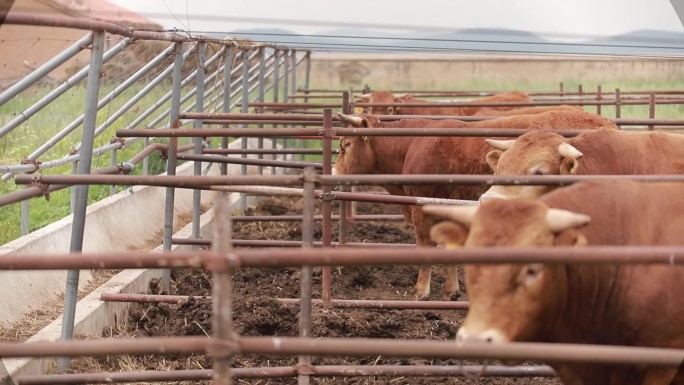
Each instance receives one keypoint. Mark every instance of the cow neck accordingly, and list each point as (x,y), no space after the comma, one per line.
(390,153)
(589,297)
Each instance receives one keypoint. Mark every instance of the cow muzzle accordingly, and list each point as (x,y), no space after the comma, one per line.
(490,336)
(491,195)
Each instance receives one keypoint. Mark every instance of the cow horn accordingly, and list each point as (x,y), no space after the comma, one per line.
(559,220)
(502,145)
(461,214)
(353,120)
(568,151)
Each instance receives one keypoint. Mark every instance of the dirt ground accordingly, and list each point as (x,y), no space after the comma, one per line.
(257,312)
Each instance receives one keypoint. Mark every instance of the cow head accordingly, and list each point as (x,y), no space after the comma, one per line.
(383,97)
(535,153)
(356,156)
(509,302)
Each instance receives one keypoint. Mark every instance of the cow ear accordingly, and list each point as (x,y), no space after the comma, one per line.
(449,234)
(569,166)
(492,159)
(570,237)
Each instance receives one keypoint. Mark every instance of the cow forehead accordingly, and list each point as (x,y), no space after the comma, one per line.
(501,222)
(381,97)
(528,150)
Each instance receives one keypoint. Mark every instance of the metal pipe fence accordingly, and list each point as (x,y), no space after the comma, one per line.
(240,82)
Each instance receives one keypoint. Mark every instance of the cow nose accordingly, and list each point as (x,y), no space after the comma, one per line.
(490,195)
(489,336)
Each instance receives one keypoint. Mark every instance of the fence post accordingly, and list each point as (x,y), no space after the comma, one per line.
(81,191)
(344,205)
(651,110)
(244,109)
(309,177)
(172,153)
(262,88)
(326,276)
(25,216)
(222,293)
(618,104)
(276,90)
(112,188)
(599,97)
(197,123)
(227,80)
(286,85)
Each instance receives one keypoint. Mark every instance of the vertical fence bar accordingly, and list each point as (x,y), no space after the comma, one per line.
(560,87)
(651,110)
(286,85)
(146,160)
(326,283)
(276,90)
(197,123)
(618,105)
(580,91)
(307,75)
(227,80)
(244,109)
(294,71)
(24,216)
(307,271)
(112,188)
(262,90)
(344,205)
(222,293)
(81,191)
(172,153)
(599,97)
(72,200)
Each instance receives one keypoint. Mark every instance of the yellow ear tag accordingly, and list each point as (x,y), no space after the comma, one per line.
(452,246)
(358,110)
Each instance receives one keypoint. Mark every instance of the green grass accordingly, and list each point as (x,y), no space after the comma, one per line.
(42,126)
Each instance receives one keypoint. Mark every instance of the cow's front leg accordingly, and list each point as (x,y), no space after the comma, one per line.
(452,290)
(421,292)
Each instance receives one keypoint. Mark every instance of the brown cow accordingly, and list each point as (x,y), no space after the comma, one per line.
(595,152)
(438,155)
(576,303)
(389,97)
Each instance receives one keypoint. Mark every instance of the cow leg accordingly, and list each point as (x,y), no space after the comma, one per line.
(452,290)
(421,292)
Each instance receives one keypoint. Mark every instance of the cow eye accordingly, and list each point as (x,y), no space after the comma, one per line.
(346,144)
(390,110)
(539,172)
(530,273)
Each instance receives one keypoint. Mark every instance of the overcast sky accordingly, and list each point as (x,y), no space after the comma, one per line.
(552,18)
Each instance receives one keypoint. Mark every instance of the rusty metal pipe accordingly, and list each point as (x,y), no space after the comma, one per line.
(81,348)
(288,371)
(601,354)
(336,303)
(229,151)
(274,243)
(295,218)
(189,181)
(249,161)
(375,254)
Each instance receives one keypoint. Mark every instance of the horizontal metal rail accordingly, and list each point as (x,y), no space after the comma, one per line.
(297,218)
(290,371)
(348,256)
(432,93)
(334,303)
(337,132)
(599,354)
(205,181)
(278,244)
(250,161)
(230,151)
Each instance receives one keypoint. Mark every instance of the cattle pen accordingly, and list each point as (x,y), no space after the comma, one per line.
(283,147)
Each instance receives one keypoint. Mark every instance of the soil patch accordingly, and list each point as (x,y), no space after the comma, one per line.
(258,312)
